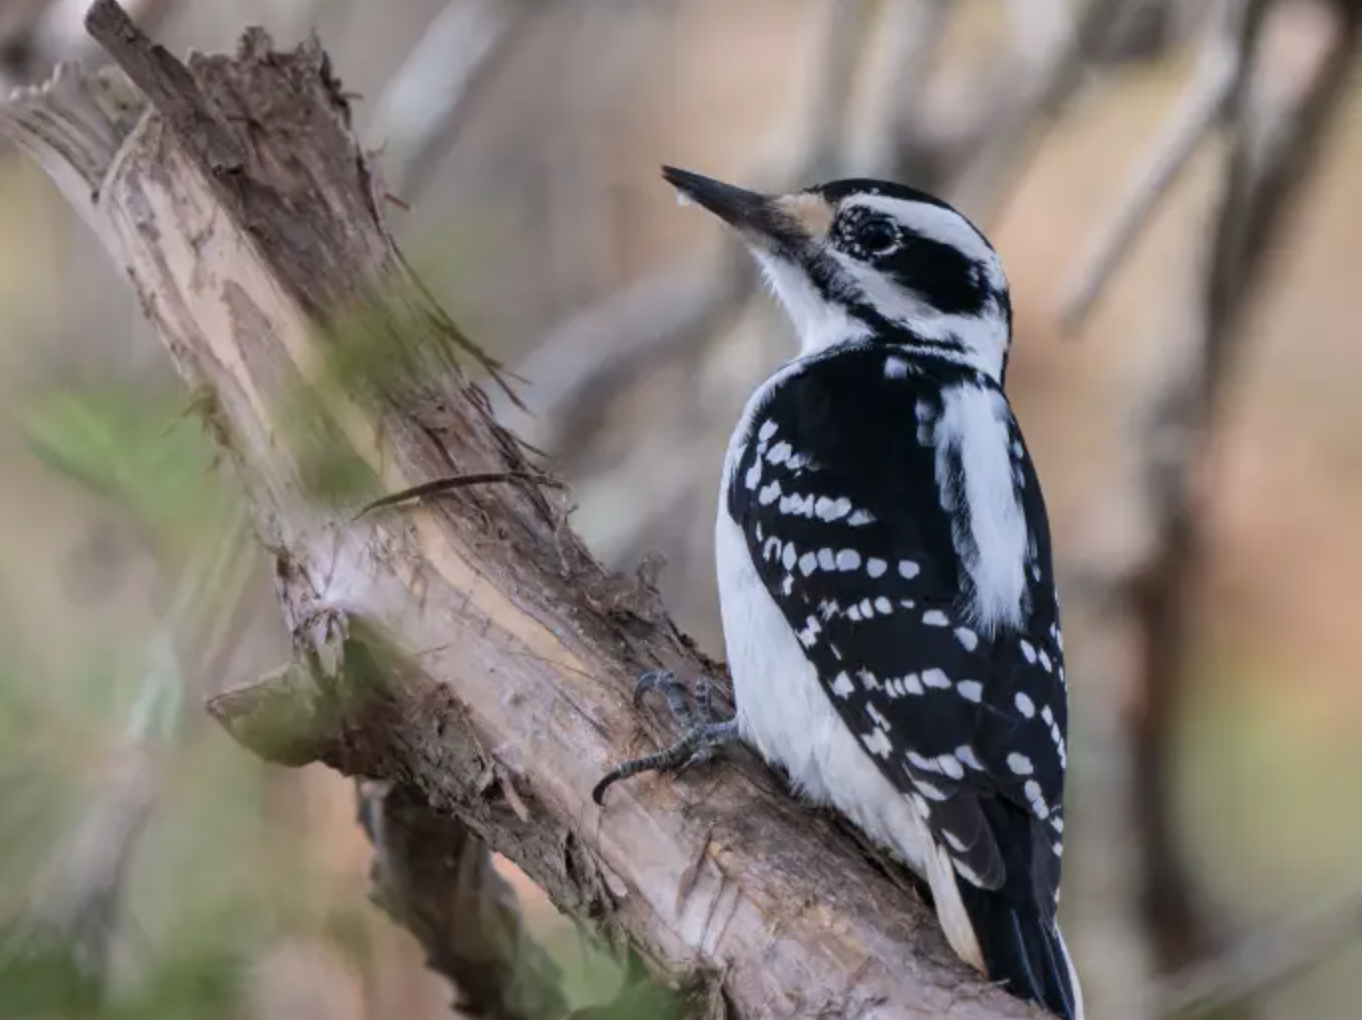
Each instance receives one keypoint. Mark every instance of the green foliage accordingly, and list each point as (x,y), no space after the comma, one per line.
(142,452)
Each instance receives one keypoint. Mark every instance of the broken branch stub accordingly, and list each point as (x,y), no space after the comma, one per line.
(236,198)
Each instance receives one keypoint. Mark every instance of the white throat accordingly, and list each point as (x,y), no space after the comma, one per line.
(818,322)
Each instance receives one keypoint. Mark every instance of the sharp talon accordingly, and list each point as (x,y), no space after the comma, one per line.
(700,734)
(607,780)
(653,680)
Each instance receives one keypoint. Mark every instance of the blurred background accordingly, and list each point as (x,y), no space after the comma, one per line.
(1176,189)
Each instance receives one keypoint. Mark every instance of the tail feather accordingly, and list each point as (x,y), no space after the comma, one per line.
(1023,950)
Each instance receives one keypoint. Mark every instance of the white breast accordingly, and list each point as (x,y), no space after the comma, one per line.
(784,713)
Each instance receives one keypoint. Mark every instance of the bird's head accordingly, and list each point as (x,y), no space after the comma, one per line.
(858,260)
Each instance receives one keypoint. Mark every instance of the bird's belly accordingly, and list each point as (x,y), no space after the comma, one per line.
(784,712)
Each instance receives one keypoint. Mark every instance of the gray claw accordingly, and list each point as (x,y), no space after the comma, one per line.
(700,737)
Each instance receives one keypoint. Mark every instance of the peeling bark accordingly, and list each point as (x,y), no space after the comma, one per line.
(467,650)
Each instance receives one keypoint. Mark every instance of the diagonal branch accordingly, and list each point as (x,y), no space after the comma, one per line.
(1219,72)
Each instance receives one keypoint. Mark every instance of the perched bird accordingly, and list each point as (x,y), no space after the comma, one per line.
(884,567)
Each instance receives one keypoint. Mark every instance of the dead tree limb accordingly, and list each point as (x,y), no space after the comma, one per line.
(470,650)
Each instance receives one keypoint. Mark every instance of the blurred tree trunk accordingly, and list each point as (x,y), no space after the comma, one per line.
(467,655)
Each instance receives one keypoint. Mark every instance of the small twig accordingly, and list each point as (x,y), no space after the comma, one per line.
(450,483)
(843,36)
(912,31)
(419,113)
(598,352)
(1200,111)
(1027,99)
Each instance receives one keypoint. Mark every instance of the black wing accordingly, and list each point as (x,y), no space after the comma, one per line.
(836,492)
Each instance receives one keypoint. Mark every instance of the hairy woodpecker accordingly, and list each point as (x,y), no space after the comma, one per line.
(884,567)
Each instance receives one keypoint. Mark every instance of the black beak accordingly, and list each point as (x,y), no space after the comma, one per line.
(749,212)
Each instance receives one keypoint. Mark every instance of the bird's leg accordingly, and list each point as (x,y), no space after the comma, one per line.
(701,733)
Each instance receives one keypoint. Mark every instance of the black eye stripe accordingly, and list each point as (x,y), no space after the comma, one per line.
(945,277)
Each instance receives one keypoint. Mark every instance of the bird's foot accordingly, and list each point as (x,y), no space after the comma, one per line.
(701,733)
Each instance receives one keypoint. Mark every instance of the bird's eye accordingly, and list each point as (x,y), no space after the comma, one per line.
(877,236)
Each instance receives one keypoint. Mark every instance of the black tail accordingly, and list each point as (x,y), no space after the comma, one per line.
(1022,948)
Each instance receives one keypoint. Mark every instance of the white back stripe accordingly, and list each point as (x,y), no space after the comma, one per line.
(974,466)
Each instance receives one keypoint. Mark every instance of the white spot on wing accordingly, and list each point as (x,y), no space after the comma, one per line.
(848,559)
(966,754)
(935,678)
(877,743)
(1019,764)
(950,766)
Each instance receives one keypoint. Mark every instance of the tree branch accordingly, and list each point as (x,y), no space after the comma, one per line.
(465,649)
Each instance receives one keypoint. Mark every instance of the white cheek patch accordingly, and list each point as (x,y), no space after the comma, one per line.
(938,224)
(820,323)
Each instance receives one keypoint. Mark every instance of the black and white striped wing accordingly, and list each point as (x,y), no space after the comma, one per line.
(836,492)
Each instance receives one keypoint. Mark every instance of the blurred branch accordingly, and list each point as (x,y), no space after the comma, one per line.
(471,651)
(62,942)
(1276,114)
(1204,102)
(419,113)
(436,878)
(36,34)
(580,364)
(1277,124)
(597,353)
(55,955)
(912,31)
(1028,98)
(1264,961)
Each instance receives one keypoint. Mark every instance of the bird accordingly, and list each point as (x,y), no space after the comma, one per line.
(885,578)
